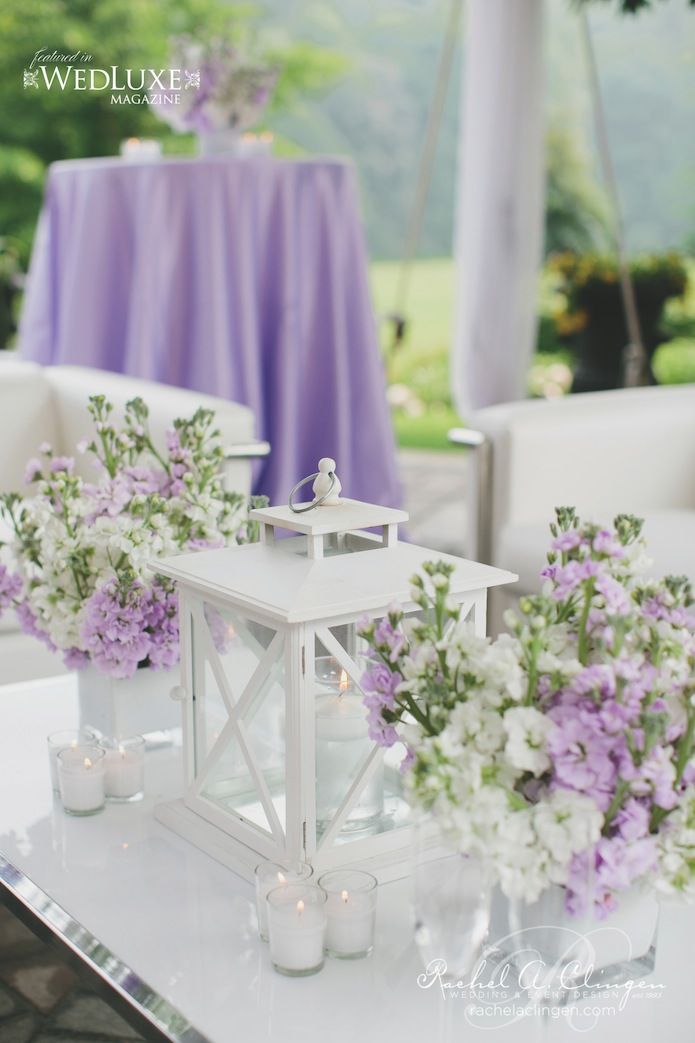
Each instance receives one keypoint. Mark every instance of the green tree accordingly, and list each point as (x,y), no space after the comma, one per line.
(39,126)
(576,211)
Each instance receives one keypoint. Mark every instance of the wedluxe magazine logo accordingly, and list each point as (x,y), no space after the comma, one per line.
(55,70)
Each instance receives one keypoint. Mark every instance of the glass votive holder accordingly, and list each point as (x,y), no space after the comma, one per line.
(329,672)
(58,741)
(297,929)
(350,912)
(270,875)
(81,779)
(124,768)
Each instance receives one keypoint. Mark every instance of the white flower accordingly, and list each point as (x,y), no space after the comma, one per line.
(565,823)
(477,726)
(527,733)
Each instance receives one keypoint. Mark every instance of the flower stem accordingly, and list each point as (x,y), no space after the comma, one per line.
(583,652)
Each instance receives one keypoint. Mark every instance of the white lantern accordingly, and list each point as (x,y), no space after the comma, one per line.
(278,762)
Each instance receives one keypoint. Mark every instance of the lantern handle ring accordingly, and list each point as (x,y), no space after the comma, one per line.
(314,503)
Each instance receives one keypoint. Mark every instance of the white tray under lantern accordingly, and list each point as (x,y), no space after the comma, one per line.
(278,764)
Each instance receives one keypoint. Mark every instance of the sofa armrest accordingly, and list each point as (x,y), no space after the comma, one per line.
(466,436)
(253,450)
(478,500)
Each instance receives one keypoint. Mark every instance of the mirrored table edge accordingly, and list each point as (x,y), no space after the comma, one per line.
(143,1008)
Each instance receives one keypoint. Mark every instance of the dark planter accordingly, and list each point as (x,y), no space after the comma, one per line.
(599,347)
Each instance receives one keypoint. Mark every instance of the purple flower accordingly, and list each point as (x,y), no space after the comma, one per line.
(606,542)
(612,865)
(408,761)
(114,628)
(580,756)
(10,586)
(655,777)
(380,731)
(75,659)
(62,463)
(597,678)
(614,594)
(567,540)
(29,624)
(380,681)
(162,621)
(632,821)
(570,576)
(32,471)
(392,639)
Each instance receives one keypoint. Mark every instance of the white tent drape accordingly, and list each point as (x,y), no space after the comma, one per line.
(499,233)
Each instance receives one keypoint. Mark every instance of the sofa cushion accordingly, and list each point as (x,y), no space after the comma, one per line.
(73,385)
(670,536)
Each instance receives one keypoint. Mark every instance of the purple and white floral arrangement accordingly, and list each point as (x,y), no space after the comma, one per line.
(223,89)
(76,570)
(563,752)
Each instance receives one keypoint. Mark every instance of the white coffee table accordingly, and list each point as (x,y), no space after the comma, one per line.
(172,933)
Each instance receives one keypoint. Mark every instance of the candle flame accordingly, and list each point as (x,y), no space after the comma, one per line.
(282,879)
(87,763)
(344,896)
(121,750)
(300,907)
(344,681)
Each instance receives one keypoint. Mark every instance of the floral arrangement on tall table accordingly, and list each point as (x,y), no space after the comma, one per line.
(223,88)
(561,753)
(76,570)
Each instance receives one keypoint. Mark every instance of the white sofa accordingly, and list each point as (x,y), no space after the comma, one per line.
(48,404)
(604,453)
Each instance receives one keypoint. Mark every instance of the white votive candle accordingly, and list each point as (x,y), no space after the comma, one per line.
(351,912)
(58,741)
(270,875)
(81,779)
(141,149)
(297,929)
(124,767)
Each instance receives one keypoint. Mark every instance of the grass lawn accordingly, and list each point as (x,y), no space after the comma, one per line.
(420,366)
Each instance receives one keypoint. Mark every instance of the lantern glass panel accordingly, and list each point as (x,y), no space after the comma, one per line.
(239,711)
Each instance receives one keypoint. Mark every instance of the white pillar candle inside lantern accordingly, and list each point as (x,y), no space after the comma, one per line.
(297,929)
(81,779)
(351,912)
(279,765)
(270,875)
(342,744)
(124,768)
(58,741)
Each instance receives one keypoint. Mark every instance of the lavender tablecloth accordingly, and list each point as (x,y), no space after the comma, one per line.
(243,278)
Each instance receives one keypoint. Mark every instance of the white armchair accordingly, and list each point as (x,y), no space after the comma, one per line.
(48,404)
(608,452)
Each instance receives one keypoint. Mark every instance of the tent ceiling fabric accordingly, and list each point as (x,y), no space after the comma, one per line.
(499,235)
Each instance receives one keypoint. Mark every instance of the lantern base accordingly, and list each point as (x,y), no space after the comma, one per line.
(391,864)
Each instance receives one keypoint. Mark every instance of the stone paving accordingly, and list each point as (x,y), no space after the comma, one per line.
(434,486)
(42,999)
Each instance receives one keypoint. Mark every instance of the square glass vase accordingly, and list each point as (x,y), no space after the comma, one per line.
(580,956)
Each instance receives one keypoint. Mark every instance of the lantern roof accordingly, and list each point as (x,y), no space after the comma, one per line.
(345,516)
(278,581)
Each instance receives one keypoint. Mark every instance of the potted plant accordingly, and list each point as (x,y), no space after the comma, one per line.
(561,756)
(78,568)
(593,318)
